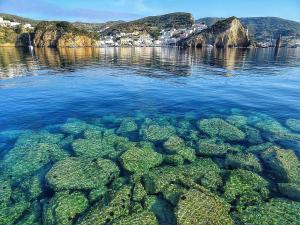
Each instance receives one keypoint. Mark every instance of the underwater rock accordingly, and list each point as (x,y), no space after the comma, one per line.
(95,133)
(195,207)
(237,120)
(142,218)
(217,127)
(174,144)
(64,207)
(116,208)
(245,188)
(173,160)
(173,192)
(290,190)
(139,160)
(283,164)
(161,208)
(157,133)
(245,161)
(97,194)
(127,125)
(275,212)
(27,160)
(92,148)
(81,174)
(212,147)
(10,214)
(293,124)
(187,153)
(205,171)
(5,193)
(30,138)
(253,135)
(73,126)
(32,187)
(138,192)
(259,148)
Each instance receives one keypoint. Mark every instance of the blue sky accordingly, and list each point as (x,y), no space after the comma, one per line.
(104,10)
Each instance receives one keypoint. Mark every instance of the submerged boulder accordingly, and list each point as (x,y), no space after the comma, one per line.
(293,124)
(127,125)
(276,212)
(118,207)
(212,147)
(142,218)
(283,164)
(157,133)
(245,188)
(139,160)
(81,174)
(64,207)
(217,127)
(195,207)
(246,161)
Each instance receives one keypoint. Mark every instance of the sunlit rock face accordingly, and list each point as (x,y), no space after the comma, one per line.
(62,34)
(225,33)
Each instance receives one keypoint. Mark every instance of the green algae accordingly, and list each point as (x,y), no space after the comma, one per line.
(245,188)
(64,207)
(275,212)
(160,170)
(283,164)
(195,207)
(246,161)
(217,127)
(81,174)
(139,160)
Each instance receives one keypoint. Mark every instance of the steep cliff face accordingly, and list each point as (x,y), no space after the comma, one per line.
(225,33)
(62,34)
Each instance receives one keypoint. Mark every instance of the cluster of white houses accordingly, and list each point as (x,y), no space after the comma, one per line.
(7,23)
(166,37)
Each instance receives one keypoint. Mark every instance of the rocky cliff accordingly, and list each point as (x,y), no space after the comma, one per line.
(226,33)
(62,34)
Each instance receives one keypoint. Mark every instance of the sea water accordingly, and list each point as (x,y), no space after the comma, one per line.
(149,136)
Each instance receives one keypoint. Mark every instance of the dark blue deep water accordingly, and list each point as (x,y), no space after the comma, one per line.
(215,133)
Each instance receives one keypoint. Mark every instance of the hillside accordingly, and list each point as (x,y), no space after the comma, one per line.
(14,18)
(263,28)
(154,24)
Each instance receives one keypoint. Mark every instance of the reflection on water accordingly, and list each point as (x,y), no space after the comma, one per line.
(19,62)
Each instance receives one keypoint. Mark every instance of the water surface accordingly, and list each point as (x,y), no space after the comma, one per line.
(221,123)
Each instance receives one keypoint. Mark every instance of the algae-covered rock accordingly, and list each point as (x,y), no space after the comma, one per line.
(237,120)
(64,207)
(217,127)
(244,187)
(212,147)
(142,218)
(118,207)
(259,148)
(127,125)
(31,138)
(94,133)
(246,161)
(173,160)
(290,190)
(81,174)
(253,136)
(5,193)
(187,153)
(283,164)
(98,193)
(27,160)
(293,124)
(195,207)
(10,213)
(174,144)
(204,171)
(138,160)
(157,133)
(32,187)
(173,192)
(275,212)
(138,192)
(92,148)
(73,126)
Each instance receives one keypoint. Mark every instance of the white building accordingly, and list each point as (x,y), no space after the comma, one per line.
(27,26)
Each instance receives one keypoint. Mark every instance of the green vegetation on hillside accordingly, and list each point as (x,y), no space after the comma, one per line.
(18,19)
(153,24)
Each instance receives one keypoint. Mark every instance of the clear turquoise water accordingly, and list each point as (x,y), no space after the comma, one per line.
(62,110)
